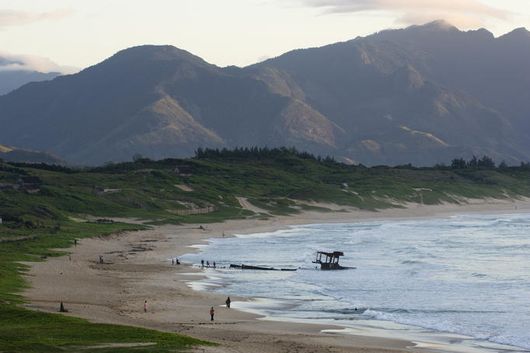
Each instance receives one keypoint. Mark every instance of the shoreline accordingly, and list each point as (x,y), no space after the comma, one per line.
(138,267)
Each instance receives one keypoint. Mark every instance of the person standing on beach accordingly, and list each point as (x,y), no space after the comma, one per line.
(145,306)
(212,313)
(202,263)
(228,301)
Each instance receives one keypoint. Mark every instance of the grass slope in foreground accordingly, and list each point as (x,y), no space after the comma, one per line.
(47,207)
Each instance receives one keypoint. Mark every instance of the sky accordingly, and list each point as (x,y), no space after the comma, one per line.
(61,35)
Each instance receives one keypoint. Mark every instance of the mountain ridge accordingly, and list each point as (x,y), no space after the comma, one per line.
(417,95)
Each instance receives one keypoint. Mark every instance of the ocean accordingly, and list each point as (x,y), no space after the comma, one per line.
(466,275)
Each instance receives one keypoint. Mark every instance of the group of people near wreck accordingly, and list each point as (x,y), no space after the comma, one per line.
(213,264)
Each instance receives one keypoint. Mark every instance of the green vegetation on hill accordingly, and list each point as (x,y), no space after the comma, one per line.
(46,207)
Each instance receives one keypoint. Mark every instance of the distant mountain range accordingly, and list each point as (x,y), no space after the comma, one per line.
(11,80)
(16,72)
(424,95)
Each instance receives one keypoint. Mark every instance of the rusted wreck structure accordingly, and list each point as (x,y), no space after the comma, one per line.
(330,260)
(260,268)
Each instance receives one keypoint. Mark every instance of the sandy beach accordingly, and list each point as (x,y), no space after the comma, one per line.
(137,267)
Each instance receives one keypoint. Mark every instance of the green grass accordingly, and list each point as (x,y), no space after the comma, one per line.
(288,183)
(28,331)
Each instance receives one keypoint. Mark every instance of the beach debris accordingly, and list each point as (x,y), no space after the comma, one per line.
(330,260)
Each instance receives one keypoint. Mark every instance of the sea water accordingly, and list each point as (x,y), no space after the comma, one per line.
(467,274)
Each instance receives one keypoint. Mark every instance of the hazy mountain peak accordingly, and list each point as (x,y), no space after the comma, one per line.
(438,25)
(483,32)
(32,63)
(16,70)
(155,53)
(520,33)
(439,29)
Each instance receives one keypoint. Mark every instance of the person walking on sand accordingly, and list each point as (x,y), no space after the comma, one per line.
(212,313)
(145,306)
(228,301)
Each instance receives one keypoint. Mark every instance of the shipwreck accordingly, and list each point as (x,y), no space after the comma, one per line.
(330,260)
(260,268)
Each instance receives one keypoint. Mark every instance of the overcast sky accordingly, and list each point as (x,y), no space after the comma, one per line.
(224,32)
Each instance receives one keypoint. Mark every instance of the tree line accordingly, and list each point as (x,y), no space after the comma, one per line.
(258,153)
(485,162)
(263,153)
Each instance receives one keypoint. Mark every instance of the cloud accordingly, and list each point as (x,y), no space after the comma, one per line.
(459,12)
(12,62)
(10,18)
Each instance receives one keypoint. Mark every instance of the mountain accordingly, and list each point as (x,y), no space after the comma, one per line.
(421,94)
(158,101)
(424,94)
(11,80)
(12,154)
(16,71)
